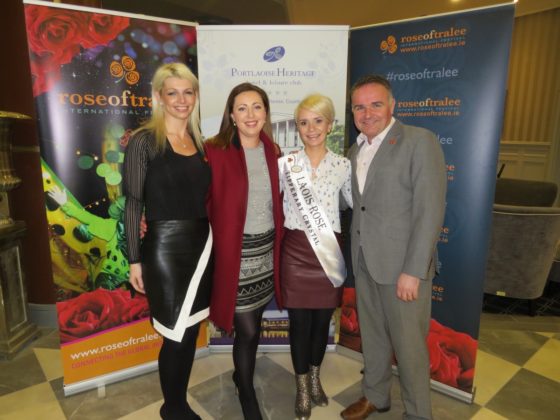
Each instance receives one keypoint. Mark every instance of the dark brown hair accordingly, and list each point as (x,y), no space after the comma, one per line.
(375,79)
(227,130)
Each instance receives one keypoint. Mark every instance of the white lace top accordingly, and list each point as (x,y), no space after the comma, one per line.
(331,178)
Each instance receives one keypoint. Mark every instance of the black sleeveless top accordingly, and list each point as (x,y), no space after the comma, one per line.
(165,186)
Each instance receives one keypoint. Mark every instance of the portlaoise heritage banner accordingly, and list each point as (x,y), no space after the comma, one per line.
(288,62)
(91,74)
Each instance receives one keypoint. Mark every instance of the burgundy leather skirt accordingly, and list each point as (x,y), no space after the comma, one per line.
(304,283)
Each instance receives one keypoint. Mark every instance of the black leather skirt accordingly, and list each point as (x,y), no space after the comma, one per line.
(177,272)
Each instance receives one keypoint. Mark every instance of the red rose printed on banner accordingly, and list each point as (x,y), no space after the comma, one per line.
(125,138)
(452,356)
(189,33)
(45,71)
(93,312)
(349,327)
(101,29)
(137,307)
(54,32)
(349,315)
(53,35)
(56,36)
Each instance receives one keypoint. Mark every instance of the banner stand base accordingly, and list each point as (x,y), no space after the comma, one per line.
(352,354)
(100,382)
(436,386)
(262,348)
(450,391)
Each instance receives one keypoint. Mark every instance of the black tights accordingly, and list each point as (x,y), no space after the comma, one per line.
(175,363)
(309,334)
(247,333)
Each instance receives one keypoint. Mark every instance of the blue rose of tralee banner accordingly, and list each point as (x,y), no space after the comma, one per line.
(448,74)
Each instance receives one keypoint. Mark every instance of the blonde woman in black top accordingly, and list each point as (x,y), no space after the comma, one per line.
(166,177)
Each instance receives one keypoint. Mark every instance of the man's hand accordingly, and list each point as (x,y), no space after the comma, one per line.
(135,277)
(407,287)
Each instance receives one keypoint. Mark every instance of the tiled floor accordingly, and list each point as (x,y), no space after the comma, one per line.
(517,377)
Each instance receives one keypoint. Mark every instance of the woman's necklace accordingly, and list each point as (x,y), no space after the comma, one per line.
(181,142)
(314,172)
(315,169)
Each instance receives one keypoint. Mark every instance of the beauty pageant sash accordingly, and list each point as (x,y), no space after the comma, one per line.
(311,214)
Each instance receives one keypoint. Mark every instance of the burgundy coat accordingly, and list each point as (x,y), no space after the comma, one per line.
(227,208)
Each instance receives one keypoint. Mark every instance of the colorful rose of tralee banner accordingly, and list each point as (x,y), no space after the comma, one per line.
(448,74)
(91,74)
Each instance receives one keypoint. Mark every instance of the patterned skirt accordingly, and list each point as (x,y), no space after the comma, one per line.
(256,276)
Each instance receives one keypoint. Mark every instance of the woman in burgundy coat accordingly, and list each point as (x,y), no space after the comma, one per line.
(245,212)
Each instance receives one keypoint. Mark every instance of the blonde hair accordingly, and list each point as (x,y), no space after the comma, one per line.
(320,104)
(156,123)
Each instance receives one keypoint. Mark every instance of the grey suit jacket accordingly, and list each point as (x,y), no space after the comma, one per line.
(398,218)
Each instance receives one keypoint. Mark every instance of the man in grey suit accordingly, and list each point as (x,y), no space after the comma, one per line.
(398,188)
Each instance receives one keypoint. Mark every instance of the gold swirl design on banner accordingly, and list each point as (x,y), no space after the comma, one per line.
(128,63)
(389,45)
(125,70)
(132,77)
(116,69)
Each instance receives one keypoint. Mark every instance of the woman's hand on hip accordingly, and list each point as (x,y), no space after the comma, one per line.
(135,277)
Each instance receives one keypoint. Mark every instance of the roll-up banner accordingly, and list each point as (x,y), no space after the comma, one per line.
(448,74)
(289,63)
(91,74)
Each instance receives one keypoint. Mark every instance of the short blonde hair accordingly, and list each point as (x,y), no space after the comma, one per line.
(320,104)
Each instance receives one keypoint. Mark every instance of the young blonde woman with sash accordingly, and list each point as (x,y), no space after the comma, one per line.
(312,268)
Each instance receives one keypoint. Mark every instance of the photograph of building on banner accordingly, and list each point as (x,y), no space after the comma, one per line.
(91,74)
(279,63)
(274,330)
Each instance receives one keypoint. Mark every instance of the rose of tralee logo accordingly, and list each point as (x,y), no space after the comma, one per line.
(125,70)
(274,54)
(389,45)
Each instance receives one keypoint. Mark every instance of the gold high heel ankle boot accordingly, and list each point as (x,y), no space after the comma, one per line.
(318,396)
(303,397)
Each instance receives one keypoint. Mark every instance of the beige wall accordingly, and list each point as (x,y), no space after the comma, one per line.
(530,144)
(367,12)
